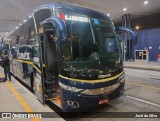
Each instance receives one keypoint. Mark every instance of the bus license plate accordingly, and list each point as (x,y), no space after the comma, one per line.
(103,101)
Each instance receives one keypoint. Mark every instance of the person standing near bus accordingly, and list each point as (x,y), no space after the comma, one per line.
(158,58)
(6,66)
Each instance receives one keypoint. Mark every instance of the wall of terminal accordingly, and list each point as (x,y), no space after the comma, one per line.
(148,39)
(148,35)
(147,22)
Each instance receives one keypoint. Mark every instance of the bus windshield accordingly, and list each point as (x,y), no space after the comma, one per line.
(91,48)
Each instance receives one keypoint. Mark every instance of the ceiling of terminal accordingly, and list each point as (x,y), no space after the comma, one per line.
(13,11)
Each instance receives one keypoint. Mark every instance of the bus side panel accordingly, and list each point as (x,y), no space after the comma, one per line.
(12,66)
(38,89)
(17,69)
(22,71)
(27,69)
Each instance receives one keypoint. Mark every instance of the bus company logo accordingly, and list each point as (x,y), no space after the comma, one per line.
(121,77)
(104,76)
(24,56)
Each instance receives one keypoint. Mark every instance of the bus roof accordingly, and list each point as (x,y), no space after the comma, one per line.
(70,8)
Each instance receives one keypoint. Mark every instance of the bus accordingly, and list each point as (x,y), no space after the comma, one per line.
(68,55)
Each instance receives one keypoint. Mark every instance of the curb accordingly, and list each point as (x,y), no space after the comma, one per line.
(143,68)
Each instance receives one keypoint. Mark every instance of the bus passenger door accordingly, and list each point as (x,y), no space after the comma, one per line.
(38,73)
(51,64)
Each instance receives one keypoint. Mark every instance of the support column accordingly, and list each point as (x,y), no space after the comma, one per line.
(126,38)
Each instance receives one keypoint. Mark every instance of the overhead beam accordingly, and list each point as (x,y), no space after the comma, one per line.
(86,4)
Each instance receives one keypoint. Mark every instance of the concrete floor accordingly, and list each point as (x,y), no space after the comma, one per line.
(142,94)
(15,98)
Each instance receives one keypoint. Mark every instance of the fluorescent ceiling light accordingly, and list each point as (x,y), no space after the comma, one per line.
(108,14)
(124,9)
(30,16)
(146,2)
(137,27)
(24,20)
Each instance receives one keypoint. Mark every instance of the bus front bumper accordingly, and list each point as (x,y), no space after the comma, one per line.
(78,101)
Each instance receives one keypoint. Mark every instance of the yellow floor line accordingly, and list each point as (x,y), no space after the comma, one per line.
(143,85)
(20,99)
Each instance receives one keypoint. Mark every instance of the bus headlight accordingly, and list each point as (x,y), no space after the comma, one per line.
(99,91)
(68,88)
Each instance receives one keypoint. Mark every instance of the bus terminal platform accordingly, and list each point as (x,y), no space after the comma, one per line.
(151,66)
(16,99)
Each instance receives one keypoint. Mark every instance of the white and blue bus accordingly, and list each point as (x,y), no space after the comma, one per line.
(68,55)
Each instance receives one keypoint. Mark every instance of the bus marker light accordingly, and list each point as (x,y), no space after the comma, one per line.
(103,101)
(61,15)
